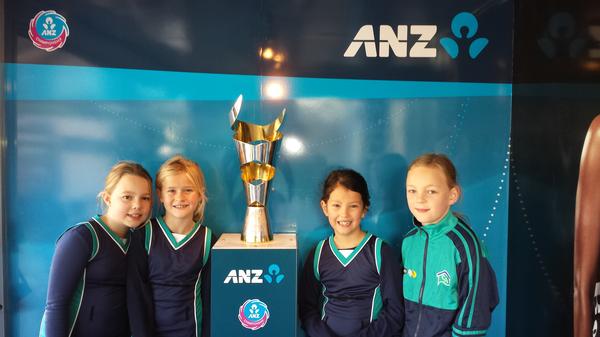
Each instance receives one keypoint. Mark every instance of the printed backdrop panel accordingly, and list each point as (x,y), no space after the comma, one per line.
(549,128)
(409,40)
(557,72)
(60,150)
(367,85)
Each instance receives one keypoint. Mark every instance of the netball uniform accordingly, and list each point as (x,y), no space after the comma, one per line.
(172,281)
(86,288)
(355,295)
(449,286)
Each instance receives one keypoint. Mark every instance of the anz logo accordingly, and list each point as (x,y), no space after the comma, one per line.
(255,276)
(464,27)
(563,39)
(397,41)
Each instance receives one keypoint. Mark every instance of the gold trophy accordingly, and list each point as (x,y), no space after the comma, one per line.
(256,146)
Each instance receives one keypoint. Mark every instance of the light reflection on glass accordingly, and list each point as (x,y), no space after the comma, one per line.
(267,54)
(168,151)
(293,146)
(274,90)
(170,134)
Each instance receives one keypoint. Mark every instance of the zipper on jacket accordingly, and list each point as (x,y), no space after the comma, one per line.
(422,284)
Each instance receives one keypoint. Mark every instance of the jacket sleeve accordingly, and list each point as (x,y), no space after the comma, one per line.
(477,290)
(73,250)
(205,290)
(140,304)
(390,319)
(309,300)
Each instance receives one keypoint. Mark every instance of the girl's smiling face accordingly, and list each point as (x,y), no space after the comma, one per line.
(428,194)
(179,197)
(344,209)
(128,204)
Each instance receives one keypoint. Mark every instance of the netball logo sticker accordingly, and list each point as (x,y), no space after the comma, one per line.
(48,30)
(253,314)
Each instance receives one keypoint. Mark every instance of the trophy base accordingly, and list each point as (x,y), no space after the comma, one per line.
(277,260)
(256,225)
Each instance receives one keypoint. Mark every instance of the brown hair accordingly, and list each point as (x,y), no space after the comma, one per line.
(437,160)
(351,180)
(117,172)
(179,164)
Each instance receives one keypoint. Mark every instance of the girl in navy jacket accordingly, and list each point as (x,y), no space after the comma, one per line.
(87,283)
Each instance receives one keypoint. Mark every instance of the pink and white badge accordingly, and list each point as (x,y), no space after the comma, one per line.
(253,314)
(48,30)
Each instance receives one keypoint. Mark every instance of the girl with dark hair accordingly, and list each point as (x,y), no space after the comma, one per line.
(352,282)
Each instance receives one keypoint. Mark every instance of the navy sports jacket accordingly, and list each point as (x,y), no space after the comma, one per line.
(86,288)
(358,295)
(169,282)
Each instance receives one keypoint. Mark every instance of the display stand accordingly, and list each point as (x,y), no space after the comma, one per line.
(254,287)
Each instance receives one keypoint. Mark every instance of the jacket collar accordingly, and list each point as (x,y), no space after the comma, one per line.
(441,228)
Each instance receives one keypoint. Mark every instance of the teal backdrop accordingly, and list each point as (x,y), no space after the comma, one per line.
(60,150)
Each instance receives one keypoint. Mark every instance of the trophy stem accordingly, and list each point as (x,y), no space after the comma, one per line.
(256,225)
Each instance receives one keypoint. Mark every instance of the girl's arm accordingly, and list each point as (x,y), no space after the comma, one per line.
(309,300)
(139,292)
(390,320)
(477,289)
(205,291)
(587,232)
(73,250)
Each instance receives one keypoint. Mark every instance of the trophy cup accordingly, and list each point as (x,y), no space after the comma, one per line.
(277,253)
(256,146)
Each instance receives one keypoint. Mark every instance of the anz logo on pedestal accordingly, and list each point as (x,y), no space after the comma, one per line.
(255,276)
(464,27)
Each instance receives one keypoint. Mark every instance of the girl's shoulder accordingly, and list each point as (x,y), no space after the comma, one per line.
(144,227)
(381,246)
(411,232)
(140,232)
(206,228)
(317,248)
(79,230)
(209,237)
(322,241)
(81,236)
(374,240)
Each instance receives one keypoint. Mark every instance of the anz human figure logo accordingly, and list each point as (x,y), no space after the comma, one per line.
(274,274)
(464,26)
(461,22)
(49,27)
(255,276)
(563,39)
(253,311)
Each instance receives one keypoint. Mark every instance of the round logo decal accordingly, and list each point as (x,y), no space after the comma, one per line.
(253,314)
(48,30)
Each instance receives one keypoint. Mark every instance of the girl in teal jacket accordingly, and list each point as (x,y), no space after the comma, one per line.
(449,286)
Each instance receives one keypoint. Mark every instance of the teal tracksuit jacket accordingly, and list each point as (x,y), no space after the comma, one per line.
(449,286)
